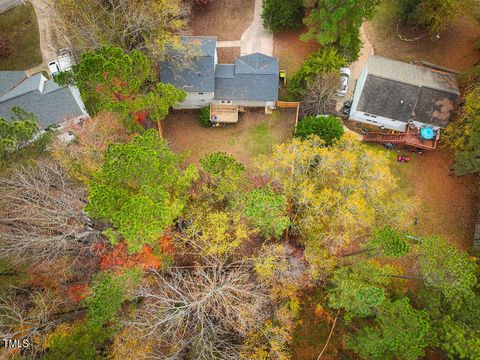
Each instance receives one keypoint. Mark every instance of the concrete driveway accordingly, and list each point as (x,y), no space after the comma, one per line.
(7,4)
(256,38)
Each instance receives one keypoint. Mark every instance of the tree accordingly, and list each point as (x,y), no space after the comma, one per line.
(201,314)
(327,128)
(358,289)
(84,156)
(84,339)
(111,79)
(326,60)
(280,15)
(447,269)
(434,15)
(400,332)
(150,26)
(140,190)
(17,132)
(319,96)
(463,135)
(455,323)
(335,193)
(267,210)
(337,23)
(389,242)
(42,214)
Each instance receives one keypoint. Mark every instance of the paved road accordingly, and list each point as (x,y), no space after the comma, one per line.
(256,38)
(7,4)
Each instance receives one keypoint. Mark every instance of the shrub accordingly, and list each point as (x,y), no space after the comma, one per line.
(328,128)
(279,15)
(204,116)
(323,61)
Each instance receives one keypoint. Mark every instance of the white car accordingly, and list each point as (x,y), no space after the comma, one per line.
(65,59)
(345,76)
(53,67)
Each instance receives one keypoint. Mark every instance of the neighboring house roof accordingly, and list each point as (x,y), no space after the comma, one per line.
(198,76)
(404,92)
(10,79)
(254,77)
(46,99)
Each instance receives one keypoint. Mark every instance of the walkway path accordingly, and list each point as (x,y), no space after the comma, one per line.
(256,38)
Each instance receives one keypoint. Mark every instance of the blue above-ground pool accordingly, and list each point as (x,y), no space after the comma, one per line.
(427,133)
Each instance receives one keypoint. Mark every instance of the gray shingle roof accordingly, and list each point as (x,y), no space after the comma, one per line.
(9,79)
(199,75)
(225,71)
(401,101)
(412,74)
(49,101)
(255,79)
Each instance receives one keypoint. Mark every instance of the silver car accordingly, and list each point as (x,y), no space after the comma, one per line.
(345,77)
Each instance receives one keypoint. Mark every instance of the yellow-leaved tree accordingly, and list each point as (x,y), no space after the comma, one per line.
(335,194)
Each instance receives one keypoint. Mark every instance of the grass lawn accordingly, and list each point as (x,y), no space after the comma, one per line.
(253,135)
(19,26)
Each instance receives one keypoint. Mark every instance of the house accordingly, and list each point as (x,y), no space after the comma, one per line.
(252,81)
(53,104)
(400,96)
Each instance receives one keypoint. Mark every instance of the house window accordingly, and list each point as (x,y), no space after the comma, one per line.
(225,102)
(202,99)
(200,93)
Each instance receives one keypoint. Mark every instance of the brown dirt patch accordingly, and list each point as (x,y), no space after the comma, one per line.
(227,19)
(228,55)
(291,50)
(254,134)
(455,49)
(447,203)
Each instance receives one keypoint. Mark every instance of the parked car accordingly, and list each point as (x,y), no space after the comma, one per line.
(345,76)
(65,59)
(53,67)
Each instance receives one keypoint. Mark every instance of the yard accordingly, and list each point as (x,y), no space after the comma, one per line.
(226,19)
(446,203)
(456,48)
(254,134)
(19,27)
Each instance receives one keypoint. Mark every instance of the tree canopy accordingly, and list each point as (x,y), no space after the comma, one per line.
(337,22)
(280,15)
(140,190)
(18,131)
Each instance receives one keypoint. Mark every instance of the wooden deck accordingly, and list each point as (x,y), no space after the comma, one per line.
(225,114)
(410,138)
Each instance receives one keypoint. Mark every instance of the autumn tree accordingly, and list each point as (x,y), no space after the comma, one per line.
(214,222)
(42,215)
(84,156)
(336,193)
(400,332)
(463,135)
(149,26)
(84,339)
(113,80)
(140,190)
(337,23)
(18,131)
(202,314)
